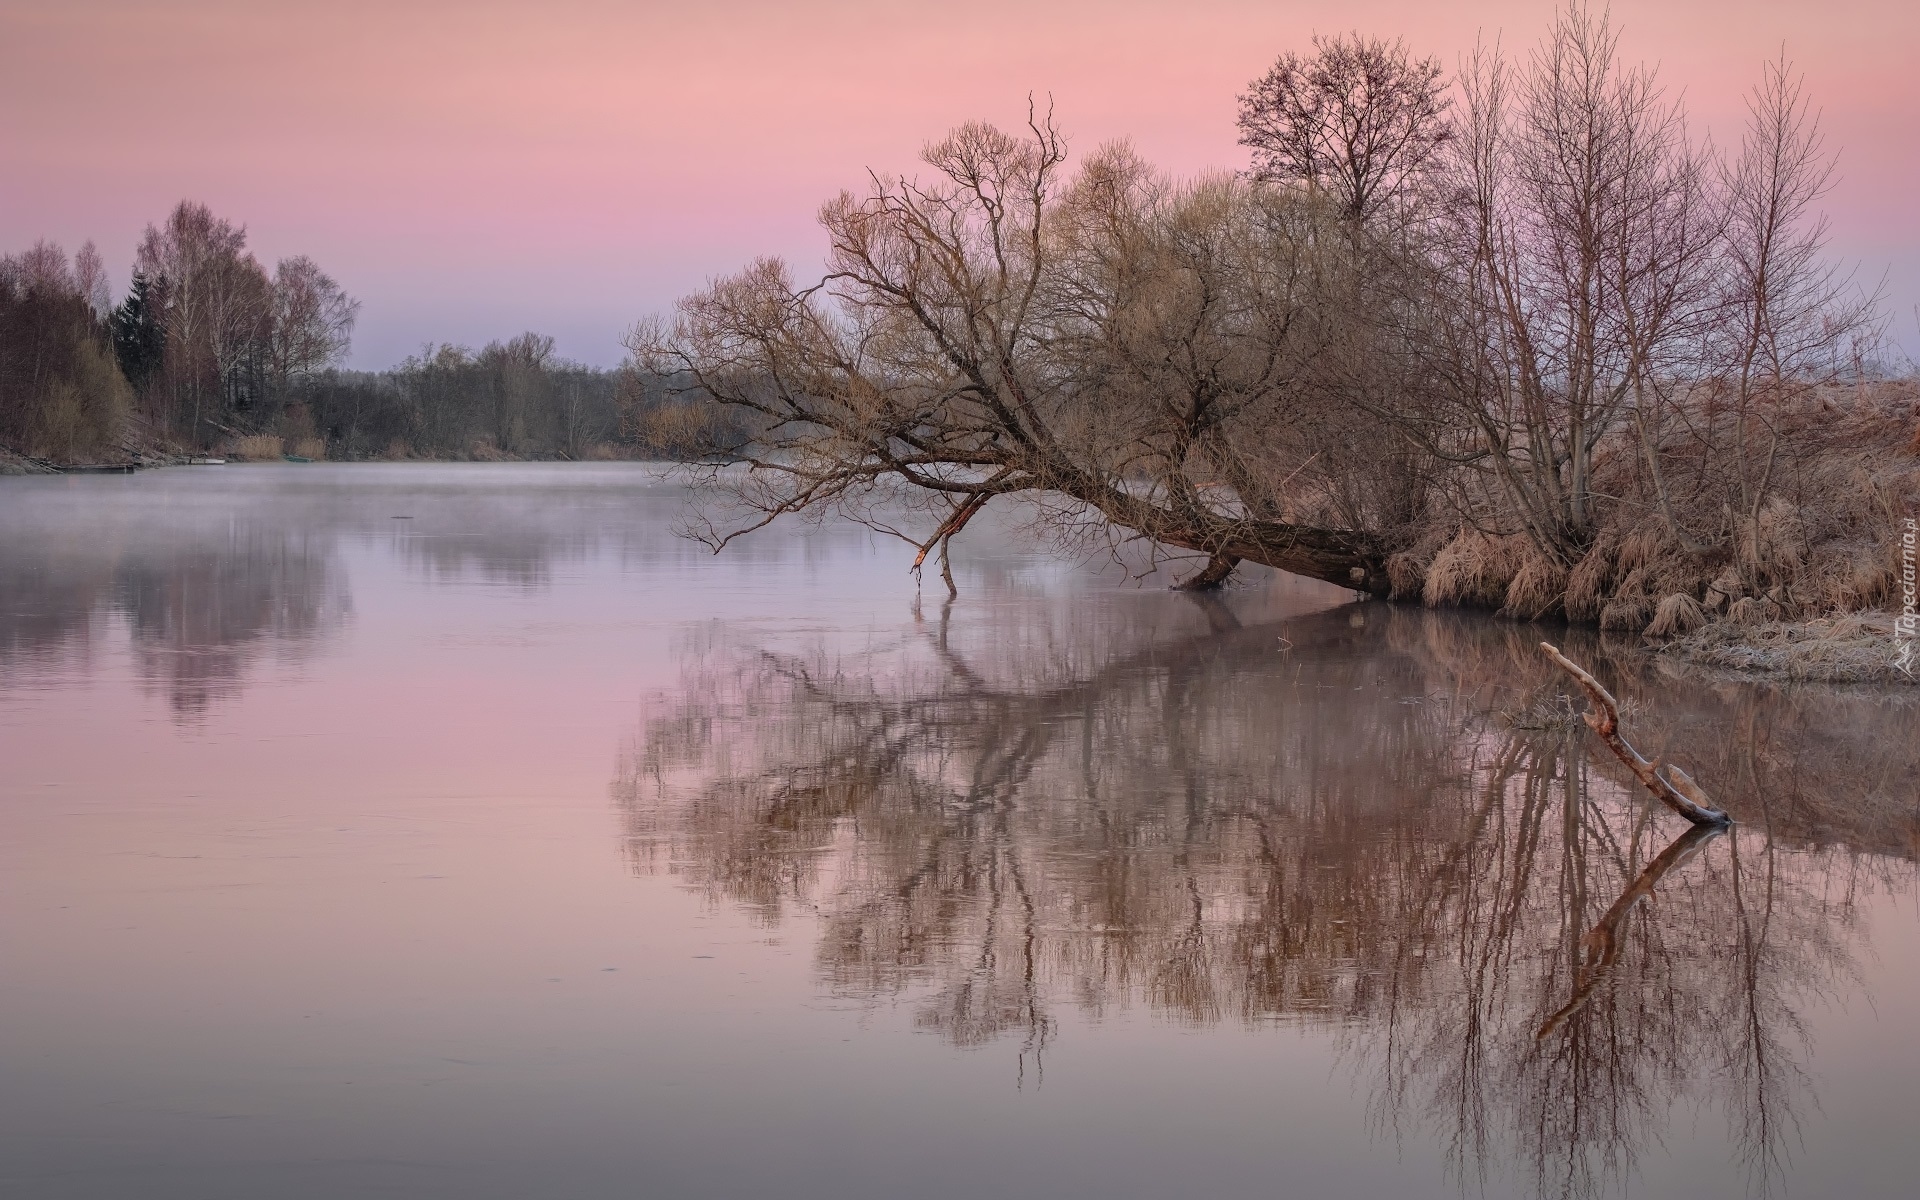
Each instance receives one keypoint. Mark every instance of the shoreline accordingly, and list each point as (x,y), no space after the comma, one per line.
(1851,648)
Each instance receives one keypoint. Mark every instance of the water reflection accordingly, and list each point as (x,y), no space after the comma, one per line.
(201,594)
(1373,821)
(205,575)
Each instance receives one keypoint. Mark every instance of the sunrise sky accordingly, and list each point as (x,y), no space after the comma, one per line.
(472,170)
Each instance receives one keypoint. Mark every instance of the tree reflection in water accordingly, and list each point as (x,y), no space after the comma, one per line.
(1310,822)
(202,599)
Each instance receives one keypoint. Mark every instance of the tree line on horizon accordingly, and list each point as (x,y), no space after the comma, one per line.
(1515,338)
(208,351)
(205,338)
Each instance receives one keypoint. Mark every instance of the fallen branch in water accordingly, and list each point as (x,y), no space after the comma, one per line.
(1675,789)
(944,535)
(1600,948)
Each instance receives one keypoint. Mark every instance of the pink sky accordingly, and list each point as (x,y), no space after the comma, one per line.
(472,170)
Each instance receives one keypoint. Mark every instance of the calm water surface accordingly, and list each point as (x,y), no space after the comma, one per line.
(458,831)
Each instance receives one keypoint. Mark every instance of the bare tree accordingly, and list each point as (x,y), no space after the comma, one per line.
(518,386)
(1579,330)
(216,302)
(1107,346)
(1793,315)
(312,320)
(1580,261)
(90,279)
(61,393)
(1362,119)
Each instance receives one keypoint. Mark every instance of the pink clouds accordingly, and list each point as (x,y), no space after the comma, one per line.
(472,170)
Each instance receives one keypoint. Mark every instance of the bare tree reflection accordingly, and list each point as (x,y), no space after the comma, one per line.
(201,598)
(1302,822)
(211,573)
(200,613)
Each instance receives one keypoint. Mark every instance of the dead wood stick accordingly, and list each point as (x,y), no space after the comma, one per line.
(1675,789)
(952,525)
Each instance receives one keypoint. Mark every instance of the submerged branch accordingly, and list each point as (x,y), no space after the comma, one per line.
(952,525)
(1675,789)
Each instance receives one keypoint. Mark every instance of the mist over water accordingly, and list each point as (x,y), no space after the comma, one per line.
(460,831)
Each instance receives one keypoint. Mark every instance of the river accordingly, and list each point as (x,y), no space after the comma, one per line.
(462,831)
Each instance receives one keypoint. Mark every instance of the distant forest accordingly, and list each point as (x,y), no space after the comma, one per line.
(209,352)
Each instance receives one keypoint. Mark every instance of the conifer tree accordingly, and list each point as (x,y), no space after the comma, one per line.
(139,339)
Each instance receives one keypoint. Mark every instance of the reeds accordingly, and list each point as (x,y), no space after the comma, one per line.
(259,447)
(1824,543)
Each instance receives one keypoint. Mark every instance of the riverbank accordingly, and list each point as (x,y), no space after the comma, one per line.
(144,454)
(1854,648)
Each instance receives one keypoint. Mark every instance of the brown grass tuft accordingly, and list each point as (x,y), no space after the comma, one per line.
(1627,614)
(1678,614)
(1774,546)
(1473,570)
(1589,580)
(1408,575)
(260,447)
(1724,590)
(1750,611)
(1538,590)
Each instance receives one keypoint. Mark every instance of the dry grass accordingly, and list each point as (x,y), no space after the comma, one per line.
(1825,544)
(1678,614)
(312,448)
(1750,611)
(260,447)
(1407,570)
(1590,579)
(1538,589)
(1408,575)
(1474,570)
(1858,648)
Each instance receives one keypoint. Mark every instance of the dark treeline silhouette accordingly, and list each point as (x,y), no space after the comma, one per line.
(206,346)
(211,352)
(513,399)
(61,392)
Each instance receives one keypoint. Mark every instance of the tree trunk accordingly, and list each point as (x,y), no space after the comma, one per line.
(1210,576)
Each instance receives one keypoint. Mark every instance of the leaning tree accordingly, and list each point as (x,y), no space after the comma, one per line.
(1134,359)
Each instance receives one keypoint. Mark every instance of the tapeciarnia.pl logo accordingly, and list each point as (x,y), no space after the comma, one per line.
(1906,627)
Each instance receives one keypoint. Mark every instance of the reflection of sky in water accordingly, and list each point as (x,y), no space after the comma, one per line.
(1066,888)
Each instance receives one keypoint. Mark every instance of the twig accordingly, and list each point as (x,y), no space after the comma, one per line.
(1676,789)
